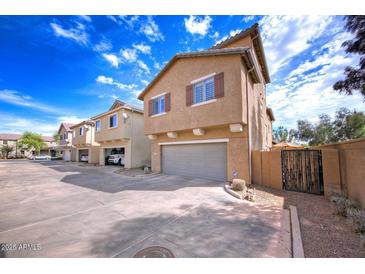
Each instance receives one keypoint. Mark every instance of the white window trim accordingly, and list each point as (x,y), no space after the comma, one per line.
(204,103)
(207,141)
(160,96)
(96,130)
(82,129)
(158,114)
(109,127)
(203,78)
(156,96)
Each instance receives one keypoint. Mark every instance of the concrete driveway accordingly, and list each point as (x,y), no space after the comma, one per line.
(58,209)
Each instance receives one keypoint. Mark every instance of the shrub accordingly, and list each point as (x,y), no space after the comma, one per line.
(239,185)
(358,217)
(343,205)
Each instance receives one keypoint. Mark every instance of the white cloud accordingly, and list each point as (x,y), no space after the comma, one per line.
(131,21)
(231,33)
(287,36)
(129,55)
(16,98)
(144,82)
(86,18)
(146,49)
(70,119)
(103,45)
(112,59)
(77,33)
(307,90)
(215,35)
(197,25)
(248,18)
(143,66)
(151,30)
(110,81)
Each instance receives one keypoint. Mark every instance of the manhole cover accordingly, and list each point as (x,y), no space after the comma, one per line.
(154,252)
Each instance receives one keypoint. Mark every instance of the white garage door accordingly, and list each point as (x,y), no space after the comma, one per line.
(208,161)
(67,155)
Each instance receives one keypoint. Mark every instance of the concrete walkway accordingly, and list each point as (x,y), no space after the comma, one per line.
(66,210)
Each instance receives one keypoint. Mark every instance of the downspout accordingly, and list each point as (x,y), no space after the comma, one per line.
(132,137)
(248,125)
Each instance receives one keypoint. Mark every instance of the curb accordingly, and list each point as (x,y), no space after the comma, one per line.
(229,190)
(297,244)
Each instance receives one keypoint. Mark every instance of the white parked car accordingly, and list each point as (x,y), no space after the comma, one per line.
(41,157)
(116,159)
(84,158)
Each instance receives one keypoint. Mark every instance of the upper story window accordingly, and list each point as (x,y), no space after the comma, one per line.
(159,105)
(5,142)
(203,91)
(113,120)
(65,136)
(81,131)
(98,125)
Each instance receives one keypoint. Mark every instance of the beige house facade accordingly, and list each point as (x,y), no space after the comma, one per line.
(206,111)
(12,140)
(120,131)
(85,149)
(65,143)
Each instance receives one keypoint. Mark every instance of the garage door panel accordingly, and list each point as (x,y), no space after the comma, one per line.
(196,160)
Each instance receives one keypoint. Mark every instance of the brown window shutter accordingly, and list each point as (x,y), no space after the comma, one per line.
(167,102)
(150,107)
(189,95)
(219,85)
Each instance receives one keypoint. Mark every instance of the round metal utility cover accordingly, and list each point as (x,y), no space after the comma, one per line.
(154,252)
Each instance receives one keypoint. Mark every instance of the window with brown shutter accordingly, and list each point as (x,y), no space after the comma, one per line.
(150,107)
(189,95)
(219,85)
(167,102)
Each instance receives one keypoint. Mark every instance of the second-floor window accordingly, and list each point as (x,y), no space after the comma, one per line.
(159,105)
(81,131)
(113,120)
(97,125)
(203,91)
(65,136)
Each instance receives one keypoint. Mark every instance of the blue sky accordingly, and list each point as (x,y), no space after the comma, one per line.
(69,68)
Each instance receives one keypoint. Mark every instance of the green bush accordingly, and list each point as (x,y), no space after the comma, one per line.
(239,185)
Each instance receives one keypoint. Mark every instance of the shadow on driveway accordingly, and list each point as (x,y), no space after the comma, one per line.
(206,231)
(98,179)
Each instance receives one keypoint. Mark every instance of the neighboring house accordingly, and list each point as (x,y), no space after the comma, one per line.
(205,112)
(120,131)
(65,143)
(83,140)
(19,151)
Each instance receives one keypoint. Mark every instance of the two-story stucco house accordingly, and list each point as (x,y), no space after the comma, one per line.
(205,112)
(120,131)
(65,145)
(83,139)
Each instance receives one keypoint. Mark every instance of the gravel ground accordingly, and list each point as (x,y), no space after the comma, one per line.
(324,234)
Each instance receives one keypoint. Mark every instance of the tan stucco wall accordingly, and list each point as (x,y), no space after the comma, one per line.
(110,134)
(69,137)
(266,168)
(237,153)
(352,171)
(331,172)
(140,145)
(224,111)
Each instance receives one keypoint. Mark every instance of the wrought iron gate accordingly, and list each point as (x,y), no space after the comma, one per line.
(302,170)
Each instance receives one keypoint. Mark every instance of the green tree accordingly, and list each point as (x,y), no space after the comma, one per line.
(32,141)
(281,134)
(5,150)
(349,124)
(355,77)
(346,125)
(57,138)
